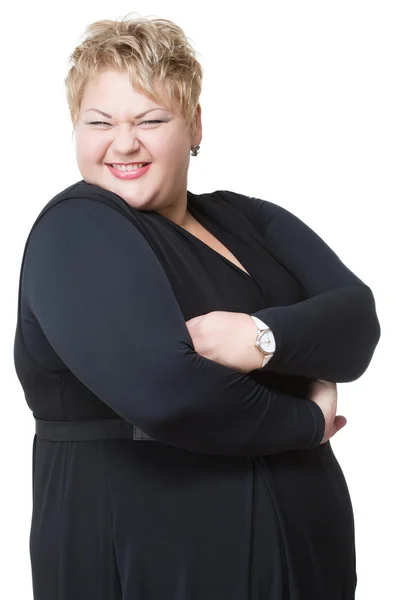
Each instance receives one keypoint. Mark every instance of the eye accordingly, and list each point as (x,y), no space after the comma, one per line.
(151,122)
(142,123)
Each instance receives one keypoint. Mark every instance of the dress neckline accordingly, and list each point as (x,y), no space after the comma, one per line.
(208,226)
(204,211)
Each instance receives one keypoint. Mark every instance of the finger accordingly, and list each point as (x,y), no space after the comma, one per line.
(326,382)
(339,422)
(193,322)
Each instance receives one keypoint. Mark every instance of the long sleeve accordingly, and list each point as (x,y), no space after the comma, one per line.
(100,296)
(332,334)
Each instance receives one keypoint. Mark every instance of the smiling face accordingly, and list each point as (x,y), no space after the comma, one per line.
(123,137)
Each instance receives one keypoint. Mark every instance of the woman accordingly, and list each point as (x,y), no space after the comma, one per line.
(180,354)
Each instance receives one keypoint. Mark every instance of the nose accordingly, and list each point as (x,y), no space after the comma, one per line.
(125,141)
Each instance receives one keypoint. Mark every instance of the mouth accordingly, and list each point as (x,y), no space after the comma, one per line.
(128,166)
(131,171)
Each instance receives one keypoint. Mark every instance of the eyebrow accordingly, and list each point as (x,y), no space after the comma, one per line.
(137,116)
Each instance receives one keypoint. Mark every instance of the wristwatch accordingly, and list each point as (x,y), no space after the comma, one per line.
(265,340)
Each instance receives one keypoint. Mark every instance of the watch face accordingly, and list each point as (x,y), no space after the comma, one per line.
(267,341)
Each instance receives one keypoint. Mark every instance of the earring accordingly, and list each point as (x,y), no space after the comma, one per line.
(195,150)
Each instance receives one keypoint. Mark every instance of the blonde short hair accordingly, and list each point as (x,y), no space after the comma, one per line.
(155,52)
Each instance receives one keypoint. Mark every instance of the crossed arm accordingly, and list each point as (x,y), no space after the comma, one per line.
(331,336)
(94,304)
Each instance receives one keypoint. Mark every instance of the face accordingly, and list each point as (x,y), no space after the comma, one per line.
(159,137)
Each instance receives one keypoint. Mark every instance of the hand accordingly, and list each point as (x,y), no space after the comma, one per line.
(324,393)
(227,338)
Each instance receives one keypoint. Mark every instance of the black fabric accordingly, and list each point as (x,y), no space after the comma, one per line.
(81,431)
(236,498)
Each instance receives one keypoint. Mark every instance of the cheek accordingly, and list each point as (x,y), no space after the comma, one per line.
(90,150)
(174,145)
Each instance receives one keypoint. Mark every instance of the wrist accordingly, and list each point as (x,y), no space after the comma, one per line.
(264,342)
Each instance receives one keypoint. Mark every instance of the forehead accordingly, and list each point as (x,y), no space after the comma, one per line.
(114,91)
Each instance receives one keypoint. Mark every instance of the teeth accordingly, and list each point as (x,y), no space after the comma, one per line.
(128,167)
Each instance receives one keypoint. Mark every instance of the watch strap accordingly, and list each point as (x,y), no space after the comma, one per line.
(260,324)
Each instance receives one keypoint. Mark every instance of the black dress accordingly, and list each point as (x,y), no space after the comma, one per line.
(234,498)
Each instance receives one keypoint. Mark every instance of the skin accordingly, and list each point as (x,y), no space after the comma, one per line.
(227,338)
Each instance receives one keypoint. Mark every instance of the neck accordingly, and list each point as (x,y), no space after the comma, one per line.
(177,211)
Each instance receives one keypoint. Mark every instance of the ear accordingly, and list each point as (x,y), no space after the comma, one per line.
(198,133)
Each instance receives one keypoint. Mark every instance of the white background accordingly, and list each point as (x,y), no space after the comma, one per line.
(301,107)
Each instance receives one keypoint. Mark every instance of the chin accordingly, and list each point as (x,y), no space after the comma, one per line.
(133,199)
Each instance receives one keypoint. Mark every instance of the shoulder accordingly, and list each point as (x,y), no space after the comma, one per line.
(82,228)
(81,200)
(86,221)
(254,209)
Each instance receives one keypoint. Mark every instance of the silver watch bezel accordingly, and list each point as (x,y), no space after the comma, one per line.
(262,333)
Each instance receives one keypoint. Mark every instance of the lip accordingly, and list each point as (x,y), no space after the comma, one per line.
(129,174)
